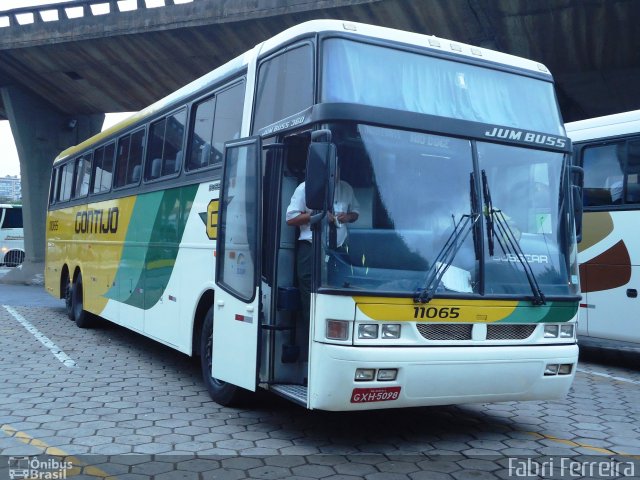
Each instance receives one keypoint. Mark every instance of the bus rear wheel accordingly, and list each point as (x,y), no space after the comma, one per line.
(68,297)
(221,392)
(13,258)
(80,316)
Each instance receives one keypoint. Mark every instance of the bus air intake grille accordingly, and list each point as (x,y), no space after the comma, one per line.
(445,331)
(510,332)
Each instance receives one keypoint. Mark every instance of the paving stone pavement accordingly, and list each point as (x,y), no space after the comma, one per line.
(130,408)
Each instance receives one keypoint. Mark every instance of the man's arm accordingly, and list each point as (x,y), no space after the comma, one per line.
(297,210)
(302,219)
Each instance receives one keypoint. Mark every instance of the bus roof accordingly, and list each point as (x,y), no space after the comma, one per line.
(604,127)
(313,26)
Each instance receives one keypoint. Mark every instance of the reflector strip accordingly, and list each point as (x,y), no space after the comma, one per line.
(244,318)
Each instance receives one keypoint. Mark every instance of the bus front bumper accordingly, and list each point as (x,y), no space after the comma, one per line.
(437,375)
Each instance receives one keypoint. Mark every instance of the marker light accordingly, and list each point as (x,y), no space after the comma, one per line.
(337,330)
(365,374)
(368,331)
(391,330)
(551,331)
(387,374)
(566,331)
(551,369)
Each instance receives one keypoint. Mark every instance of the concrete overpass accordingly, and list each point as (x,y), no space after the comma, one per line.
(62,66)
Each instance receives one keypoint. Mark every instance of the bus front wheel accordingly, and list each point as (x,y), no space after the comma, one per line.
(221,392)
(80,316)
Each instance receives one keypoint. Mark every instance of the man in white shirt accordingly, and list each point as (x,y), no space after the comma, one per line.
(345,210)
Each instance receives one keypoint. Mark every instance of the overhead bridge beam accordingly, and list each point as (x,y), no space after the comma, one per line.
(32,26)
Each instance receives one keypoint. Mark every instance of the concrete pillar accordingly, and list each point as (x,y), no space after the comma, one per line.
(40,132)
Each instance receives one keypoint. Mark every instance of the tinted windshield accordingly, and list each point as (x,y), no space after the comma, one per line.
(12,217)
(419,83)
(414,192)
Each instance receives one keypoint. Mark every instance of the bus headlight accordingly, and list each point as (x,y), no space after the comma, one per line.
(387,374)
(566,330)
(391,330)
(565,369)
(365,374)
(337,330)
(551,369)
(551,331)
(368,331)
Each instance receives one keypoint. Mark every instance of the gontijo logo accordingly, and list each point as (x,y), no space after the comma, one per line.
(97,221)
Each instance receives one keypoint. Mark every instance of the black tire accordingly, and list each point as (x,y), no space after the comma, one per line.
(221,392)
(80,316)
(68,296)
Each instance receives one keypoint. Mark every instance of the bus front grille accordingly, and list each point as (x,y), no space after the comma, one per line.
(509,331)
(445,331)
(464,331)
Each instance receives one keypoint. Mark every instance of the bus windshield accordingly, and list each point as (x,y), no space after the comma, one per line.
(414,192)
(424,84)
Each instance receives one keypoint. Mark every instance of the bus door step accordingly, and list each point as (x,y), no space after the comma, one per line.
(296,393)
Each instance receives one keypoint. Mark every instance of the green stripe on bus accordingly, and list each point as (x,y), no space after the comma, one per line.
(149,254)
(557,312)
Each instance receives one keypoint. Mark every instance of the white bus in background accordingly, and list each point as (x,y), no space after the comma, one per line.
(11,235)
(608,149)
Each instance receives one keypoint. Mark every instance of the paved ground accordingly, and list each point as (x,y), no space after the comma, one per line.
(91,398)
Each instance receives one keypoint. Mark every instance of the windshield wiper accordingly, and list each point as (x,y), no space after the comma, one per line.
(475,210)
(507,240)
(445,256)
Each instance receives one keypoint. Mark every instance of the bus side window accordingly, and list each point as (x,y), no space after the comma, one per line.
(83,175)
(216,120)
(153,164)
(285,85)
(56,197)
(202,130)
(632,171)
(129,159)
(173,140)
(102,168)
(603,174)
(164,150)
(66,182)
(96,174)
(12,218)
(227,120)
(134,165)
(107,167)
(52,186)
(121,161)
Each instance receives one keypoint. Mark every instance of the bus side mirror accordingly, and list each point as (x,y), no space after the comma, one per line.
(321,156)
(577,184)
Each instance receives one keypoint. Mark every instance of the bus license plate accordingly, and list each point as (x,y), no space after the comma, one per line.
(380,394)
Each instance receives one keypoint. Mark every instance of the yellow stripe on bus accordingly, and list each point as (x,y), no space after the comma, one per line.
(405,309)
(89,242)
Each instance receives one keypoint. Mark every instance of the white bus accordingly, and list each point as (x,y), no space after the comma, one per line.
(11,235)
(457,283)
(608,149)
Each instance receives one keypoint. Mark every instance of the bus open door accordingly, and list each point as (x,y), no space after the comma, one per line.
(236,308)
